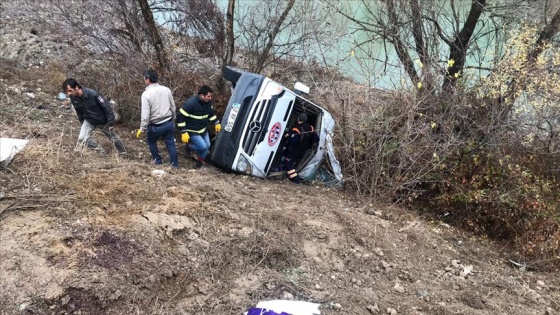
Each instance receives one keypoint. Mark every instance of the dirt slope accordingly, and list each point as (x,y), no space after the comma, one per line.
(87,234)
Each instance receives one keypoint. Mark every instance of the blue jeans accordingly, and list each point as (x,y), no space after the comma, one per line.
(200,144)
(167,131)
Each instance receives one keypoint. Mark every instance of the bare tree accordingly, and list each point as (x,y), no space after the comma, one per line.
(417,29)
(120,33)
(199,25)
(124,37)
(155,36)
(144,28)
(287,33)
(271,36)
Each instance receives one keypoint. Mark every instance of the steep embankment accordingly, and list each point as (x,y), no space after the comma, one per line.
(88,234)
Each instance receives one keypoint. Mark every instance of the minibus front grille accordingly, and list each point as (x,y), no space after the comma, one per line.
(270,157)
(255,126)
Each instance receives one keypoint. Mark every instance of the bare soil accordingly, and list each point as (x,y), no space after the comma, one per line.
(82,233)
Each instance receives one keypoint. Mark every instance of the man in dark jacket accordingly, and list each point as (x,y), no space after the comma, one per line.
(193,119)
(93,112)
(300,139)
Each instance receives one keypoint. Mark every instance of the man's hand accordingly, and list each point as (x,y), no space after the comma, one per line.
(108,127)
(185,137)
(218,128)
(139,133)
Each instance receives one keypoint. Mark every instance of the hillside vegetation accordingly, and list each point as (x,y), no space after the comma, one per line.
(87,234)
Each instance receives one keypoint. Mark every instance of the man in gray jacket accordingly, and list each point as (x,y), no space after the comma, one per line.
(93,112)
(158,113)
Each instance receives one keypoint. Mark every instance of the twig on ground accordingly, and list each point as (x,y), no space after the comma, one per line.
(13,207)
(251,272)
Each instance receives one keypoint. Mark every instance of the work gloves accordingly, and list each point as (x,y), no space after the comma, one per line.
(218,128)
(185,137)
(139,133)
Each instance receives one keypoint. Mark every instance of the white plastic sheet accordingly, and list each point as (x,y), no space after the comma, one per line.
(9,147)
(291,307)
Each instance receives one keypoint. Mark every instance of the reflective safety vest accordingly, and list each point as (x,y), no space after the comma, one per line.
(300,140)
(194,115)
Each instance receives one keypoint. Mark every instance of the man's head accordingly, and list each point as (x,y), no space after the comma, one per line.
(72,88)
(205,93)
(302,117)
(151,76)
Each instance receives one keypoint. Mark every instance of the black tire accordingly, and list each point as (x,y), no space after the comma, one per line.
(232,74)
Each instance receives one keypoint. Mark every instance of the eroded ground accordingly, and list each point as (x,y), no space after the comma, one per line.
(87,234)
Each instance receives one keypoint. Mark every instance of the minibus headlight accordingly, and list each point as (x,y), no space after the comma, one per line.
(243,165)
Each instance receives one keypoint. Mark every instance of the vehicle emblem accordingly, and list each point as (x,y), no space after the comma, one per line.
(274,134)
(255,126)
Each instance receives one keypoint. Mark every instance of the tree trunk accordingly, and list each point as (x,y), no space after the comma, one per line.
(230,38)
(263,56)
(418,31)
(458,50)
(545,36)
(155,36)
(230,42)
(420,45)
(400,47)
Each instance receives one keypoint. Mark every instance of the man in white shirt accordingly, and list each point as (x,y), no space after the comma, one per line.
(158,114)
